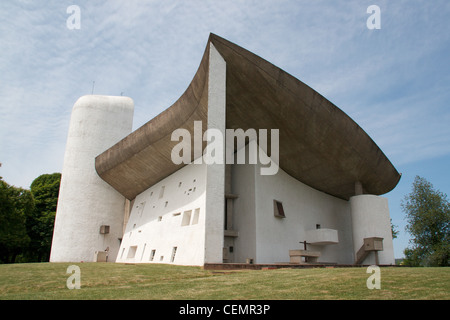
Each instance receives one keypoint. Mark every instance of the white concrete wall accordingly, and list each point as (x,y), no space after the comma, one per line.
(86,201)
(215,173)
(244,213)
(158,220)
(304,207)
(158,224)
(370,218)
(268,239)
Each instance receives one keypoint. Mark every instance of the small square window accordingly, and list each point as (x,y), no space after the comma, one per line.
(131,252)
(278,210)
(104,229)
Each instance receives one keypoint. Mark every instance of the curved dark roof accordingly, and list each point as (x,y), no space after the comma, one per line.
(319,144)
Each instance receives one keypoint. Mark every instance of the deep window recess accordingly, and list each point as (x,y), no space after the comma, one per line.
(174,252)
(161,192)
(152,254)
(131,252)
(196,216)
(104,229)
(140,208)
(186,218)
(143,250)
(278,210)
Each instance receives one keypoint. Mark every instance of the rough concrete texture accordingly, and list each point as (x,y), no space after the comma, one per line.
(85,201)
(319,144)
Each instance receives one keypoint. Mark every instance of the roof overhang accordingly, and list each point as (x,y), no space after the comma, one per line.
(318,143)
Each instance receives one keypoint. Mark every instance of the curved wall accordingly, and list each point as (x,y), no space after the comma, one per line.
(320,145)
(370,218)
(86,201)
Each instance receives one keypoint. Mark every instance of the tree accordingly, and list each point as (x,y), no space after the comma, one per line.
(40,221)
(394,231)
(15,205)
(428,215)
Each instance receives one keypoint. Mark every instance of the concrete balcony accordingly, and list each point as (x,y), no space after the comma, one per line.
(322,236)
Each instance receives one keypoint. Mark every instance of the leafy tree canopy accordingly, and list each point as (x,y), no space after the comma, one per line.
(27,218)
(15,205)
(428,215)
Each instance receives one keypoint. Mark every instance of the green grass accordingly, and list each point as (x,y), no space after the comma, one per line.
(158,281)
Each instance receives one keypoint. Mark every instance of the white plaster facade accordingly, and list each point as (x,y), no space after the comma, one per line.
(86,202)
(267,238)
(370,218)
(170,214)
(173,214)
(202,213)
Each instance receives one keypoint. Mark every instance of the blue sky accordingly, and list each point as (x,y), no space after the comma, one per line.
(394,82)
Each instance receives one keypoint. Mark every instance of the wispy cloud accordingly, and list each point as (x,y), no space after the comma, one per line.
(392,81)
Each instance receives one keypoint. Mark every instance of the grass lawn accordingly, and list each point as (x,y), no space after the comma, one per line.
(158,281)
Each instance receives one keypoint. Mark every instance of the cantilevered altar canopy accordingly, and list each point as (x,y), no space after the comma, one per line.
(319,144)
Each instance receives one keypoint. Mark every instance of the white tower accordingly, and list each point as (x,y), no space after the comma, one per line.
(90,212)
(370,218)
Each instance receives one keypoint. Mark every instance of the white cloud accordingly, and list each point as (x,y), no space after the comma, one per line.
(150,50)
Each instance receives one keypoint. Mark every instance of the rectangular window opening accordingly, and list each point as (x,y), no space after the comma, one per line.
(143,251)
(186,218)
(174,252)
(140,208)
(152,254)
(278,210)
(131,252)
(196,216)
(104,229)
(161,193)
